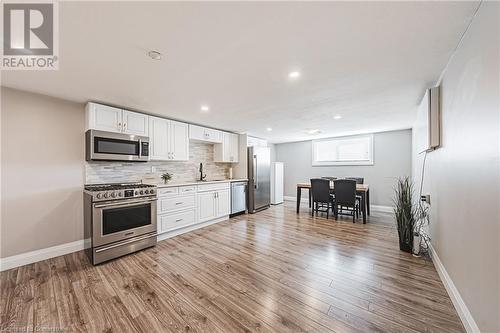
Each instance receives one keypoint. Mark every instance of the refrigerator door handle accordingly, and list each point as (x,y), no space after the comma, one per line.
(255,173)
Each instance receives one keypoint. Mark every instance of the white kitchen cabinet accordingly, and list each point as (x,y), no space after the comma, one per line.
(206,206)
(135,123)
(103,118)
(214,201)
(205,134)
(176,208)
(111,119)
(158,139)
(179,141)
(168,140)
(228,150)
(188,207)
(223,203)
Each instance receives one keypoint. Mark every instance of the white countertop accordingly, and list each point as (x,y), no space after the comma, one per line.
(196,182)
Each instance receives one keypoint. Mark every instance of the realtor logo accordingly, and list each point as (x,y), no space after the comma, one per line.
(30,36)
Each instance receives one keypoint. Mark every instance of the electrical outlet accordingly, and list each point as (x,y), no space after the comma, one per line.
(426,198)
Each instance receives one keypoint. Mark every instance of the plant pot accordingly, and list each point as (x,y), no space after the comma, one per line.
(405,246)
(416,244)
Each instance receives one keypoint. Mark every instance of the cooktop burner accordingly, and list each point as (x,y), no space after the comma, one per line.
(105,192)
(110,187)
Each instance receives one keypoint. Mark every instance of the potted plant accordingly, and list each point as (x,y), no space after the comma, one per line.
(404,210)
(166,177)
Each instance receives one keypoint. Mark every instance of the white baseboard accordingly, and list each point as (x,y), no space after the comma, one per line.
(42,254)
(180,231)
(462,310)
(378,208)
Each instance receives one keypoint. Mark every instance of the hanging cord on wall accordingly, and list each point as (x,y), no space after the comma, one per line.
(423,211)
(422,179)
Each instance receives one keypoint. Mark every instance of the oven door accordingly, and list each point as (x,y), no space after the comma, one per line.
(118,220)
(102,145)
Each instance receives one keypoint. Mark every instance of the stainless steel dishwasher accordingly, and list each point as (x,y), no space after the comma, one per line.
(238,197)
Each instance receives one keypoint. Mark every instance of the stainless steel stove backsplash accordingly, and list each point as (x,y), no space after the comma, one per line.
(97,172)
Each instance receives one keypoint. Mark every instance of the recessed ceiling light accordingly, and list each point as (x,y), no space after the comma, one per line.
(155,55)
(269,129)
(313,131)
(337,117)
(293,75)
(205,108)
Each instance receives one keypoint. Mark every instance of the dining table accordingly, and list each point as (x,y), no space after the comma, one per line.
(362,190)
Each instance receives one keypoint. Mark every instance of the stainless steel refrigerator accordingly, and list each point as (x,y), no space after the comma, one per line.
(259,178)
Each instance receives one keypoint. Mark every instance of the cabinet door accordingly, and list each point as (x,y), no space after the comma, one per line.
(159,139)
(135,123)
(234,147)
(206,206)
(197,133)
(223,203)
(104,118)
(179,141)
(213,135)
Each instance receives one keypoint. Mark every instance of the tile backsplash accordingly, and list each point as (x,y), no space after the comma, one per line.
(113,172)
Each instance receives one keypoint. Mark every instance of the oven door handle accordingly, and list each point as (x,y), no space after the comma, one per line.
(132,240)
(127,203)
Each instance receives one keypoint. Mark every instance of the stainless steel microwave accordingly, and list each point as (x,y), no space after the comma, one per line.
(109,146)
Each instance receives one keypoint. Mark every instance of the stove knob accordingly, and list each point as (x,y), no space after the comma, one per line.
(136,192)
(120,194)
(106,195)
(113,194)
(146,192)
(99,196)
(141,192)
(152,191)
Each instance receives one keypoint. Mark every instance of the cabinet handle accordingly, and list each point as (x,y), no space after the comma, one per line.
(178,203)
(124,125)
(178,220)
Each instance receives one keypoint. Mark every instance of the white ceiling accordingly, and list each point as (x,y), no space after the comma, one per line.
(367,61)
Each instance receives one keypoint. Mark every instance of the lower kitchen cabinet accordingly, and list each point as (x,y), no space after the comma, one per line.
(184,206)
(177,220)
(223,203)
(206,206)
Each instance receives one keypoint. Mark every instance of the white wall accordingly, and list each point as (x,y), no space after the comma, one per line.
(463,177)
(42,172)
(392,159)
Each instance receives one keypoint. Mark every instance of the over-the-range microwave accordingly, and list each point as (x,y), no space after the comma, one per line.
(108,146)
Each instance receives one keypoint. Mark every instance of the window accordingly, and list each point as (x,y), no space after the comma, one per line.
(348,150)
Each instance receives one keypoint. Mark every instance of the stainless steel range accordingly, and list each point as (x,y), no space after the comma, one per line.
(119,219)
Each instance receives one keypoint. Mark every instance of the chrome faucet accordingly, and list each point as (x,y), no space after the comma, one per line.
(202,177)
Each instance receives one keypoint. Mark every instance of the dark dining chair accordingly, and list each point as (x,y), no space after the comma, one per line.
(345,198)
(322,200)
(359,180)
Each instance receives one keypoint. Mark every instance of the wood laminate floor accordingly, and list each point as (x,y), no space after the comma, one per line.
(274,271)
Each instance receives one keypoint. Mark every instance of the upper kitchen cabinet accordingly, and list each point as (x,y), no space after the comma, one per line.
(168,140)
(179,140)
(205,134)
(135,123)
(228,150)
(103,118)
(111,119)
